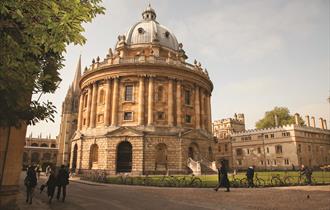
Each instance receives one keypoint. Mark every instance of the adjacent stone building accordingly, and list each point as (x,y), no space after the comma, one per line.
(42,151)
(143,109)
(281,147)
(69,118)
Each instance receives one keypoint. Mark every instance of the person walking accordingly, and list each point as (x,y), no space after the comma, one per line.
(223,180)
(250,176)
(30,183)
(51,185)
(62,181)
(48,170)
(38,170)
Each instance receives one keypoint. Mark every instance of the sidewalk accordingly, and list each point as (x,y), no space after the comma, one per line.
(36,204)
(78,180)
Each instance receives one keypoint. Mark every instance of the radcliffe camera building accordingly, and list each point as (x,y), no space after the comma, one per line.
(142,109)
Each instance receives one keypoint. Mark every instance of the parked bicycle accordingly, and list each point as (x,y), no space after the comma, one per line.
(192,181)
(276,180)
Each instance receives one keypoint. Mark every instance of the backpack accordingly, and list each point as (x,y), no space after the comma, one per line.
(27,181)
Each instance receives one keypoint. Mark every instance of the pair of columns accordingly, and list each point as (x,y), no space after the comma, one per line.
(202,110)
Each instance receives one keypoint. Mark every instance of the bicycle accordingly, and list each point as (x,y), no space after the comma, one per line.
(276,180)
(235,182)
(302,180)
(193,181)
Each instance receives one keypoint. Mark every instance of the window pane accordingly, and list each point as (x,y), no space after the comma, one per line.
(129,93)
(128,116)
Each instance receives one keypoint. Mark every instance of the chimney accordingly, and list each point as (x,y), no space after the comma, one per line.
(325,124)
(307,121)
(296,118)
(321,123)
(276,120)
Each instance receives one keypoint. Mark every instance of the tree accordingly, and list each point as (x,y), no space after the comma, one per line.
(33,38)
(283,116)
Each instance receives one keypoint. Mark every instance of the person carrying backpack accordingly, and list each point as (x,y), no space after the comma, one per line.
(30,183)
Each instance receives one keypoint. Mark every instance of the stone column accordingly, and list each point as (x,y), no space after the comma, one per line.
(325,124)
(94,101)
(170,103)
(307,121)
(321,123)
(313,121)
(197,108)
(296,118)
(114,114)
(202,109)
(151,101)
(141,101)
(89,103)
(209,112)
(107,104)
(80,111)
(178,104)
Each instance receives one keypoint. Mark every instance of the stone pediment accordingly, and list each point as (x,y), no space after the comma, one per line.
(194,134)
(124,131)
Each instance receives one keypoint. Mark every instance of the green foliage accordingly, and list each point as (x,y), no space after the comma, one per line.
(283,116)
(33,38)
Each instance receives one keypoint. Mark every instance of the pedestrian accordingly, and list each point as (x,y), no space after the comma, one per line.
(51,185)
(48,170)
(62,181)
(223,180)
(30,183)
(250,176)
(307,171)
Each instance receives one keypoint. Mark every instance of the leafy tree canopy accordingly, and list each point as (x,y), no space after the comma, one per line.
(33,38)
(283,116)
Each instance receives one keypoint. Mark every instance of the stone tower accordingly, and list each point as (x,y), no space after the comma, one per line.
(69,118)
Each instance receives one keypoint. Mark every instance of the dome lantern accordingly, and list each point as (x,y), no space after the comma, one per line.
(149,13)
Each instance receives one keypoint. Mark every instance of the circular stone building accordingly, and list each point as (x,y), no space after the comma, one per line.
(143,109)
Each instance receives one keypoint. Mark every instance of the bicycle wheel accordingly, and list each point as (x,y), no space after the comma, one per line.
(235,183)
(275,181)
(288,180)
(244,182)
(196,182)
(259,183)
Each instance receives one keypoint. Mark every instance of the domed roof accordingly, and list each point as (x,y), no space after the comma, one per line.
(149,30)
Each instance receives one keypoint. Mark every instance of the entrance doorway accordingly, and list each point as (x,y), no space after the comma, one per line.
(124,157)
(74,157)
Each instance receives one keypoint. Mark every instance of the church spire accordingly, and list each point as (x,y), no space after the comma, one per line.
(77,76)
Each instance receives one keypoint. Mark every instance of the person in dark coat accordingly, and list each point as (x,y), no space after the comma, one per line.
(62,181)
(250,175)
(223,180)
(51,185)
(30,183)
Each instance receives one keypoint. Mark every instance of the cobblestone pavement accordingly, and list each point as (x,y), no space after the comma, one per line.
(86,195)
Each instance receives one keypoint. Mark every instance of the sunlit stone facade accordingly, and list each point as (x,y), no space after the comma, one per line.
(143,109)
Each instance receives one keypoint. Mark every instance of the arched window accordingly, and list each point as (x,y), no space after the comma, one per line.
(94,155)
(25,157)
(35,157)
(34,145)
(124,157)
(46,156)
(53,145)
(44,145)
(101,97)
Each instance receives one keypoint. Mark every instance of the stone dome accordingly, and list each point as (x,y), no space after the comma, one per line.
(149,31)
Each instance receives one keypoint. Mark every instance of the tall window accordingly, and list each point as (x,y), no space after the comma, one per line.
(160,94)
(101,97)
(85,100)
(187,97)
(160,115)
(226,147)
(267,150)
(129,93)
(239,152)
(278,149)
(259,150)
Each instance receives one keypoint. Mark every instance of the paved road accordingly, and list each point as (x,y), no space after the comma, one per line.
(99,197)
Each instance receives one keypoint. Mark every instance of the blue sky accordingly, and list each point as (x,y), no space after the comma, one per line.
(259,54)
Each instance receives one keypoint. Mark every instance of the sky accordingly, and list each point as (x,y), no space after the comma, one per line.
(259,54)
